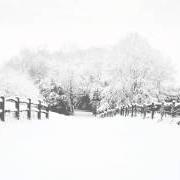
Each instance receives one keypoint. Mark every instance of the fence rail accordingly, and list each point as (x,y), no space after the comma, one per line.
(16,105)
(171,109)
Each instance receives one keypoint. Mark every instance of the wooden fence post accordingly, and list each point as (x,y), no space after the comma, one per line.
(39,110)
(128,110)
(17,104)
(152,111)
(121,111)
(135,110)
(29,109)
(2,107)
(144,111)
(132,110)
(47,112)
(173,109)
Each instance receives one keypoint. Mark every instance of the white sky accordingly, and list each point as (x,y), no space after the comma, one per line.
(83,23)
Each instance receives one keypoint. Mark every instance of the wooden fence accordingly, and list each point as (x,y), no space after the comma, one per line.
(17,106)
(171,109)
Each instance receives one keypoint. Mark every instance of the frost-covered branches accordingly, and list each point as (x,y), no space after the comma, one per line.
(131,71)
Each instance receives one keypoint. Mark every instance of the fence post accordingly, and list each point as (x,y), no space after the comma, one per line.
(152,111)
(173,109)
(47,112)
(2,107)
(135,110)
(29,109)
(39,110)
(144,111)
(132,110)
(123,110)
(17,108)
(126,111)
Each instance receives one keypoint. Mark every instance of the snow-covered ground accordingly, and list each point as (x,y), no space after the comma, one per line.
(83,147)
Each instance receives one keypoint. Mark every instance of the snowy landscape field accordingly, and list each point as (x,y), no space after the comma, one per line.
(89,90)
(84,147)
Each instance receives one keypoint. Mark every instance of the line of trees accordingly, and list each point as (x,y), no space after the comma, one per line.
(128,72)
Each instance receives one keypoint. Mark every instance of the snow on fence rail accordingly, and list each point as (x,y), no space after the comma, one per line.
(17,106)
(172,109)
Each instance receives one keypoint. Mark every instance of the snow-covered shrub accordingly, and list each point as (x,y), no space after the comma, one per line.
(56,97)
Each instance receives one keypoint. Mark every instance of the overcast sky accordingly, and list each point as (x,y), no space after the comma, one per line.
(84,23)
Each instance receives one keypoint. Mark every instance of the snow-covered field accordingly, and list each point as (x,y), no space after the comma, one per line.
(83,147)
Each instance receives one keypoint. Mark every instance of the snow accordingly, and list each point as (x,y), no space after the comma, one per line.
(84,147)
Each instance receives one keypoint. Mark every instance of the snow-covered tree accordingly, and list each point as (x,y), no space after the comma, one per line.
(130,71)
